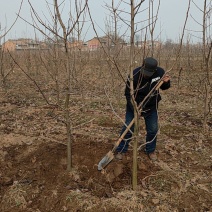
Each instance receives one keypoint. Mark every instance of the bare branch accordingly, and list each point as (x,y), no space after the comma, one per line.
(13,22)
(31,80)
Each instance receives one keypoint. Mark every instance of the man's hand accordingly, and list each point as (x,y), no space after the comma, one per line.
(166,78)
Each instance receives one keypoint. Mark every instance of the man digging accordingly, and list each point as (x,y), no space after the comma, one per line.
(145,78)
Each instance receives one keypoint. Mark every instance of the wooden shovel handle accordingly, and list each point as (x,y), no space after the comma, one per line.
(159,84)
(123,134)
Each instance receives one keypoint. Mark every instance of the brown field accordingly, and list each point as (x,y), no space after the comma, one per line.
(33,149)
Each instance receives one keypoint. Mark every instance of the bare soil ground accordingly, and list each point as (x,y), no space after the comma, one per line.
(33,151)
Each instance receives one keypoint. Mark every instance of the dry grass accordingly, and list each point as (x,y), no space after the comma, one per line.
(14,197)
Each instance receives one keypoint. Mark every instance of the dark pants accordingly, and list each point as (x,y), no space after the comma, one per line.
(151,122)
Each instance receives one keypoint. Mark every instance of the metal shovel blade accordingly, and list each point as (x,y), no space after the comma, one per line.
(105,160)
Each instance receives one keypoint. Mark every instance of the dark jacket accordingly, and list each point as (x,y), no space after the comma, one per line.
(143,86)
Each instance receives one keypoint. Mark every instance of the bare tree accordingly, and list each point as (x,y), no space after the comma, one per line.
(152,23)
(206,50)
(6,31)
(66,29)
(134,10)
(6,67)
(6,71)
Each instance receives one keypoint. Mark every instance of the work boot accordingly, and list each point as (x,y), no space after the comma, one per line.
(152,156)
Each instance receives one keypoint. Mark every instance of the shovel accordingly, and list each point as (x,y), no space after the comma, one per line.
(110,155)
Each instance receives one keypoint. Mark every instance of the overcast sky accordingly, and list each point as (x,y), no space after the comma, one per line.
(169,25)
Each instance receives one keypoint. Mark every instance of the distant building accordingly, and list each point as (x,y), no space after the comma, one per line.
(147,44)
(22,44)
(95,43)
(90,45)
(78,45)
(59,44)
(103,42)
